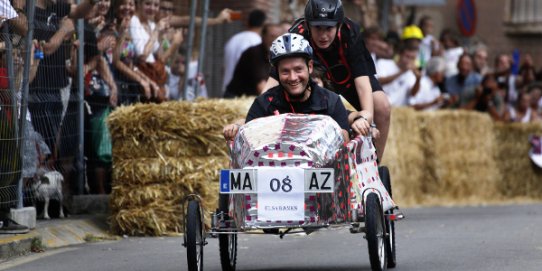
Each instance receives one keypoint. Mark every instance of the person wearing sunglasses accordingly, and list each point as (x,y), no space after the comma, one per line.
(340,48)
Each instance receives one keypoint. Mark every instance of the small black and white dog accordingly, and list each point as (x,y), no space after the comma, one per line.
(46,186)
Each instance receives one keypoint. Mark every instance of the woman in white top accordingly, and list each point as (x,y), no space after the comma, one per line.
(521,112)
(145,33)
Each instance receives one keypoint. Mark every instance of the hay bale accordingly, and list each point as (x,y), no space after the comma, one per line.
(175,120)
(520,176)
(130,147)
(166,169)
(161,154)
(459,147)
(404,156)
(155,220)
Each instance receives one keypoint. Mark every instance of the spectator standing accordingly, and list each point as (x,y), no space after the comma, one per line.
(507,80)
(194,78)
(452,51)
(488,98)
(521,111)
(176,77)
(169,44)
(412,37)
(101,97)
(132,82)
(429,45)
(400,79)
(462,86)
(252,70)
(479,57)
(52,25)
(376,44)
(145,33)
(430,96)
(536,98)
(527,71)
(237,44)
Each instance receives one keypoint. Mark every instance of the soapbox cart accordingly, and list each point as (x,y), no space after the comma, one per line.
(294,173)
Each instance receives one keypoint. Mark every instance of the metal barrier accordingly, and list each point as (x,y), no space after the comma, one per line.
(46,114)
(39,108)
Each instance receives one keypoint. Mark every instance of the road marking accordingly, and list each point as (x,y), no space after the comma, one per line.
(32,257)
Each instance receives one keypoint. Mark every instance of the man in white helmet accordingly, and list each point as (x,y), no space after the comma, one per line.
(291,57)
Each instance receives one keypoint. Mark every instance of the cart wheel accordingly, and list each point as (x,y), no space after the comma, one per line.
(227,242)
(375,229)
(194,237)
(390,225)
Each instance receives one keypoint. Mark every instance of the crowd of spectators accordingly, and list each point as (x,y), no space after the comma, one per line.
(132,53)
(427,73)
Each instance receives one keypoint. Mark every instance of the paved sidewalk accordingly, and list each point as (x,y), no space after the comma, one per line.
(54,233)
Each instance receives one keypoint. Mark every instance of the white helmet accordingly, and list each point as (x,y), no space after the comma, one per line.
(289,45)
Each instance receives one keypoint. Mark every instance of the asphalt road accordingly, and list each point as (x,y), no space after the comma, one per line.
(469,238)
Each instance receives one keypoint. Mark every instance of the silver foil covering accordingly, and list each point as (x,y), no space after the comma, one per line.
(306,141)
(287,140)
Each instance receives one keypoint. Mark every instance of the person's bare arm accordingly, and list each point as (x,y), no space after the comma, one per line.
(104,70)
(34,63)
(175,44)
(78,11)
(422,106)
(388,79)
(20,23)
(128,71)
(364,118)
(66,28)
(183,21)
(416,87)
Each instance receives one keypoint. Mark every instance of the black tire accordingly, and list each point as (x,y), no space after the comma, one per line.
(227,243)
(375,232)
(194,237)
(390,225)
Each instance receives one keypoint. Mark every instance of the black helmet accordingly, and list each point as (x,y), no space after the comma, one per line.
(324,12)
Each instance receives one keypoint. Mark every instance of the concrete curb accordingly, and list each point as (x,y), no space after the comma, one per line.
(56,233)
(12,245)
(89,223)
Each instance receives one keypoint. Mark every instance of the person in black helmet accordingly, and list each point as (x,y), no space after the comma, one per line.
(291,58)
(340,48)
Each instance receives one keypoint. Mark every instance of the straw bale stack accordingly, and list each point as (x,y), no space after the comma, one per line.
(520,176)
(161,154)
(459,147)
(404,156)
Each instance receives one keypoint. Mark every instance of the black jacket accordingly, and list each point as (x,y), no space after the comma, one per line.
(321,101)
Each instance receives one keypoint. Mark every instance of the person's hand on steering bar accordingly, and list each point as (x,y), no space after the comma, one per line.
(230,131)
(360,123)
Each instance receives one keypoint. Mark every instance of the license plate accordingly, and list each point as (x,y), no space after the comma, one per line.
(240,181)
